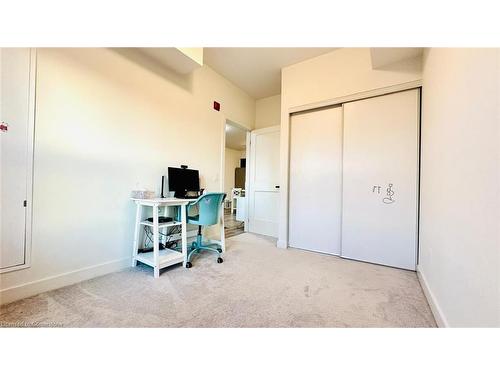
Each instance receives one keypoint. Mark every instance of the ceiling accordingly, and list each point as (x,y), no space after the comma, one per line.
(257,71)
(235,137)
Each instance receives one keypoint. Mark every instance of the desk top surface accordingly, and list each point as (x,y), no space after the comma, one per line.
(163,201)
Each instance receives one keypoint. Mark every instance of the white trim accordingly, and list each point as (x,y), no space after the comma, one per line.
(357,96)
(64,279)
(27,264)
(223,157)
(285,142)
(419,156)
(31,156)
(342,180)
(439,316)
(247,177)
(281,244)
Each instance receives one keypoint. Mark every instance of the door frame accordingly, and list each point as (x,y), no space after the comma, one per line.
(282,241)
(250,168)
(223,161)
(30,166)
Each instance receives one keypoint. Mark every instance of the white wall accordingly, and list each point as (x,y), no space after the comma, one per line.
(267,111)
(339,73)
(108,121)
(460,185)
(343,72)
(232,162)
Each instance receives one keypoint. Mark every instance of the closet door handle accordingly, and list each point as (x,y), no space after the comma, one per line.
(277,186)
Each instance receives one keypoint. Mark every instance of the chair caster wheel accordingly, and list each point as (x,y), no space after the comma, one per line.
(189,265)
(219,250)
(220,260)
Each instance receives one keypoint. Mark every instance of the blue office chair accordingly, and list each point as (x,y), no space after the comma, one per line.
(209,209)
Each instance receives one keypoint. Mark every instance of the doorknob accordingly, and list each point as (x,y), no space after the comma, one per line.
(4,126)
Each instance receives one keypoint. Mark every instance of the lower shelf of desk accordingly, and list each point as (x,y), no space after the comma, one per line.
(167,258)
(161,225)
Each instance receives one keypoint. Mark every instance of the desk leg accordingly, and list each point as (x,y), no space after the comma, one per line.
(138,216)
(156,240)
(184,234)
(222,233)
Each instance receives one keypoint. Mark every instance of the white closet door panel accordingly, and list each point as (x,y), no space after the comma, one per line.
(380,179)
(315,186)
(15,153)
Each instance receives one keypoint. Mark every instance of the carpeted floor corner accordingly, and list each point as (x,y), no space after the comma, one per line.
(258,285)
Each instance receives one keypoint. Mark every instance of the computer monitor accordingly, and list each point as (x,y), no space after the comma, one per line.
(182,180)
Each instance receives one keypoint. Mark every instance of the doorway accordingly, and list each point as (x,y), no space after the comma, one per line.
(235,179)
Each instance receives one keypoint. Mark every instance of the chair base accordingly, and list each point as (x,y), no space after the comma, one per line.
(198,246)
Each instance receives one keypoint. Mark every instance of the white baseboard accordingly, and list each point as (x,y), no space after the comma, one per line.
(281,244)
(58,281)
(431,299)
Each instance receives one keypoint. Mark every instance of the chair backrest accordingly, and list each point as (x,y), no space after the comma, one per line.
(209,205)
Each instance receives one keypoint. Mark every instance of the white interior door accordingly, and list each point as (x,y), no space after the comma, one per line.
(264,181)
(380,179)
(16,142)
(315,185)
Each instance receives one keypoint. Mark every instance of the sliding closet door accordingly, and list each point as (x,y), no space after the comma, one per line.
(316,180)
(380,179)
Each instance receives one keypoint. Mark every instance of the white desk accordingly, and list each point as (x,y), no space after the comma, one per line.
(240,208)
(235,194)
(160,258)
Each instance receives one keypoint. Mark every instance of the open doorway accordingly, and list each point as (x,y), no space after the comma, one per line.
(235,179)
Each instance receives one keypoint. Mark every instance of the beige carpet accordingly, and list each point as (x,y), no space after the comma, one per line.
(258,285)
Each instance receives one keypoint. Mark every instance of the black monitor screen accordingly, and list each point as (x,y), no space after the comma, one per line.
(182,180)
